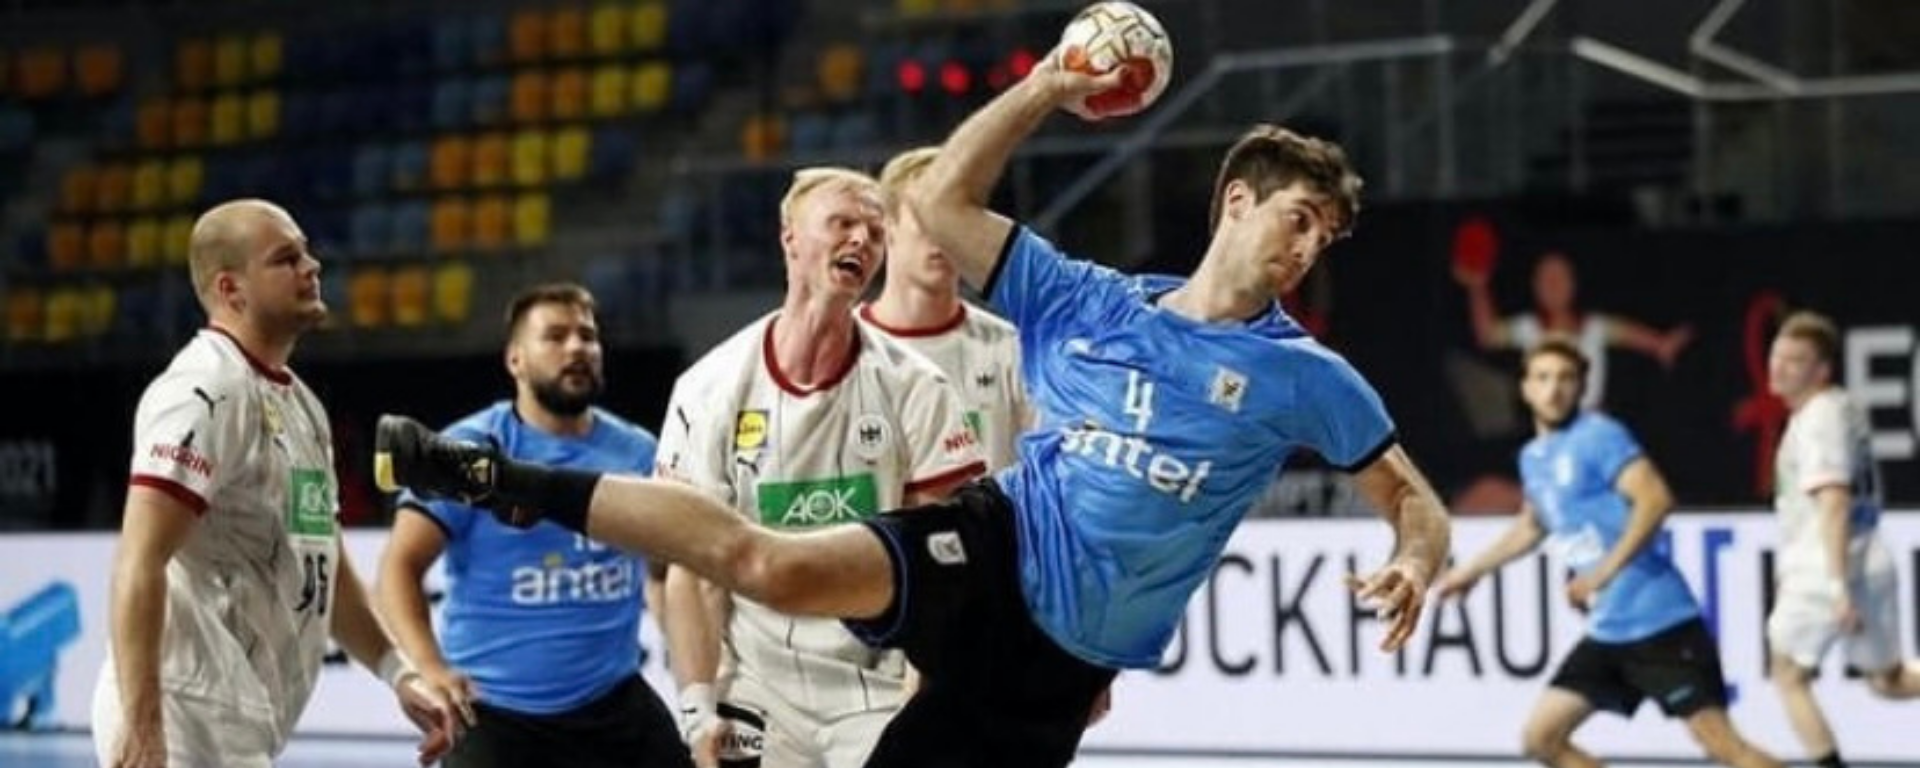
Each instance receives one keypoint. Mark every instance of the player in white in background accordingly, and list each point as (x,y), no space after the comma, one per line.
(1836,580)
(229,576)
(803,419)
(920,306)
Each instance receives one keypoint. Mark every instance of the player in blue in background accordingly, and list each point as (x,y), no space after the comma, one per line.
(1596,498)
(1167,406)
(540,642)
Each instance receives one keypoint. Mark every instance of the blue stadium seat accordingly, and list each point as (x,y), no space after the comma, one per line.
(372,230)
(452,103)
(613,154)
(487,39)
(300,111)
(809,132)
(854,130)
(452,49)
(408,167)
(687,27)
(489,100)
(411,108)
(692,85)
(411,227)
(372,170)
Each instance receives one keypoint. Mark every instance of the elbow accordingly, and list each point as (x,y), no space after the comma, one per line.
(756,566)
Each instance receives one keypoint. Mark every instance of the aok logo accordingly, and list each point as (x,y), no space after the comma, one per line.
(812,503)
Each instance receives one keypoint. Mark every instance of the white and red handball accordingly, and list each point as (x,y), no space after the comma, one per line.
(1117,35)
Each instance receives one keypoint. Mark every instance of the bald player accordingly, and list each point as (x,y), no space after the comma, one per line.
(229,576)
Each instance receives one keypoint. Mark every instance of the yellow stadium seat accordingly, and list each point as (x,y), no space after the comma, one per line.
(43,72)
(368,297)
(490,160)
(529,99)
(101,69)
(113,188)
(918,7)
(189,122)
(149,185)
(77,189)
(193,65)
(230,61)
(143,242)
(652,84)
(229,123)
(649,31)
(532,219)
(153,123)
(453,292)
(412,290)
(841,72)
(266,55)
(263,114)
(174,241)
(530,158)
(762,137)
(63,316)
(570,148)
(186,175)
(607,30)
(567,34)
(527,37)
(95,310)
(106,244)
(492,223)
(25,314)
(66,246)
(569,95)
(449,163)
(451,225)
(608,97)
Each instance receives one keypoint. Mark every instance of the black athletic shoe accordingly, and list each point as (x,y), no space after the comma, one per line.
(408,455)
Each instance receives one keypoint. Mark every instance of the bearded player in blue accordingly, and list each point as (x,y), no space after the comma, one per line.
(540,641)
(1167,406)
(1600,502)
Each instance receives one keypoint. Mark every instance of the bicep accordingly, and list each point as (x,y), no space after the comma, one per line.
(414,543)
(155,525)
(972,236)
(1640,480)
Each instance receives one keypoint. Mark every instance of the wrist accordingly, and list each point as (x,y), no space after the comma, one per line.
(698,704)
(393,668)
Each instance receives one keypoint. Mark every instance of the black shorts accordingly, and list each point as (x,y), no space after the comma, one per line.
(994,690)
(1678,667)
(627,727)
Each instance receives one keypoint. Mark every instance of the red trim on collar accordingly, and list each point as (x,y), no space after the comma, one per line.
(780,377)
(280,376)
(866,313)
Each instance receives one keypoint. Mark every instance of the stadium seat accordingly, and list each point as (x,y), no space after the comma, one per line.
(652,86)
(368,297)
(66,246)
(230,60)
(567,34)
(611,154)
(175,239)
(412,228)
(855,131)
(266,57)
(492,223)
(532,219)
(193,65)
(649,29)
(452,224)
(527,37)
(530,96)
(107,244)
(841,73)
(410,108)
(300,113)
(95,305)
(133,314)
(149,184)
(608,30)
(453,292)
(487,41)
(263,114)
(530,163)
(412,296)
(25,314)
(451,165)
(62,319)
(489,100)
(763,137)
(687,27)
(113,188)
(189,122)
(16,126)
(811,132)
(143,242)
(407,171)
(568,94)
(186,178)
(569,148)
(77,193)
(452,104)
(42,72)
(692,85)
(490,161)
(608,96)
(372,230)
(229,120)
(100,68)
(153,124)
(451,51)
(372,170)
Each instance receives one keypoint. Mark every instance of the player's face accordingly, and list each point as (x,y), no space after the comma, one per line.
(557,356)
(280,284)
(1794,368)
(1551,387)
(836,241)
(1553,283)
(1284,234)
(913,257)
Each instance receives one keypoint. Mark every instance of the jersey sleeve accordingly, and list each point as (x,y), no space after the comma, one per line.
(1824,456)
(1523,331)
(1611,448)
(1340,416)
(189,437)
(1038,289)
(940,447)
(690,450)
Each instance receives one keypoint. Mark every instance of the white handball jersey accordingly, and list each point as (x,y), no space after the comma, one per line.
(1525,332)
(248,448)
(793,457)
(980,354)
(1826,444)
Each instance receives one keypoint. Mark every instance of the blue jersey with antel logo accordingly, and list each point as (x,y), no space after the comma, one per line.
(1157,433)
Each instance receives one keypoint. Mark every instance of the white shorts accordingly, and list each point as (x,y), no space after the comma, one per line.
(769,727)
(201,733)
(1804,623)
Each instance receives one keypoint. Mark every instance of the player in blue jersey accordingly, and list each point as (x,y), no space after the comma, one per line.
(1166,407)
(1599,502)
(539,635)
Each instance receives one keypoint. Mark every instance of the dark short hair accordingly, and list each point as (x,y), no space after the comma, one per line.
(568,294)
(1270,158)
(1815,329)
(1560,347)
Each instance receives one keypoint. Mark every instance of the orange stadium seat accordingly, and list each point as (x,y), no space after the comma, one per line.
(570,148)
(649,30)
(266,56)
(453,292)
(230,61)
(842,72)
(186,177)
(189,122)
(412,293)
(569,95)
(652,85)
(492,223)
(193,65)
(153,123)
(149,184)
(229,120)
(175,239)
(607,30)
(763,136)
(77,189)
(143,242)
(452,224)
(567,34)
(25,314)
(527,37)
(113,188)
(490,160)
(530,158)
(101,69)
(608,97)
(529,101)
(368,297)
(66,246)
(532,219)
(107,244)
(43,72)
(450,163)
(263,114)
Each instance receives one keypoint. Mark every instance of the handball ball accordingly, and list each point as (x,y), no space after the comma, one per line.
(1109,35)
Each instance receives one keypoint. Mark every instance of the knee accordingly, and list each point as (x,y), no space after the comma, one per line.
(1788,675)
